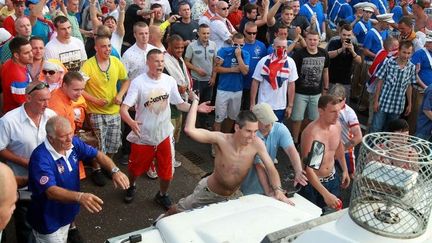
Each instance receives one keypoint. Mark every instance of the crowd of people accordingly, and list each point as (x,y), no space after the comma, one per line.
(120,75)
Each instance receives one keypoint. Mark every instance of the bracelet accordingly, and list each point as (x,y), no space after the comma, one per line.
(80,196)
(290,106)
(278,188)
(326,89)
(355,55)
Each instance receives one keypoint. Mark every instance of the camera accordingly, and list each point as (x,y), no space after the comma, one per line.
(348,41)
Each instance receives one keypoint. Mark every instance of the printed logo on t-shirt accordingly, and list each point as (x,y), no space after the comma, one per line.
(157,101)
(44,180)
(257,53)
(71,59)
(311,71)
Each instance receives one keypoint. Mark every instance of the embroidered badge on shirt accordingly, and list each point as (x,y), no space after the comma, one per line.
(44,180)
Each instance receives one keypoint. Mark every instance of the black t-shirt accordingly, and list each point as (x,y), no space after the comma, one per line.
(301,21)
(186,31)
(310,69)
(340,66)
(131,18)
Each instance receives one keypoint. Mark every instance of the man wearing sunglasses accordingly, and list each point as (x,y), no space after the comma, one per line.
(14,74)
(221,28)
(22,130)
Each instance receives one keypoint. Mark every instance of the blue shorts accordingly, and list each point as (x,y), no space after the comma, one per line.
(303,103)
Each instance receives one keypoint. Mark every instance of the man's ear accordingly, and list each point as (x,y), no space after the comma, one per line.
(236,127)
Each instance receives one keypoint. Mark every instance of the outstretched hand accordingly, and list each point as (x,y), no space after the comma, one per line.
(205,107)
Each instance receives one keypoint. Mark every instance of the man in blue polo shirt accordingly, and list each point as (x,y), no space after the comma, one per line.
(362,27)
(274,135)
(314,12)
(54,181)
(256,50)
(231,64)
(423,61)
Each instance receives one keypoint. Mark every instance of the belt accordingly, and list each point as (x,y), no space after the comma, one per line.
(327,178)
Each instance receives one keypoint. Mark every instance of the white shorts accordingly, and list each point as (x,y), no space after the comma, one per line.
(227,105)
(59,236)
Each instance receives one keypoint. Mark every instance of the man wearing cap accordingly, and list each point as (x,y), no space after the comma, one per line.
(274,81)
(374,39)
(53,73)
(23,29)
(394,88)
(353,19)
(14,74)
(21,131)
(423,61)
(274,135)
(362,27)
(9,22)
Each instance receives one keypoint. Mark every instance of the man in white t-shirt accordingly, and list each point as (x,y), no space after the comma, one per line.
(274,80)
(351,131)
(64,47)
(134,58)
(151,93)
(221,29)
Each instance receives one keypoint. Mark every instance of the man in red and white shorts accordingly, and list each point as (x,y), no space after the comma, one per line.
(151,94)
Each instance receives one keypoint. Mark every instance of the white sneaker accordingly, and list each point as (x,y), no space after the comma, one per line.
(152,174)
(177,163)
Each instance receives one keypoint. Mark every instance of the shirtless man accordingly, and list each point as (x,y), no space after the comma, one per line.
(234,157)
(323,188)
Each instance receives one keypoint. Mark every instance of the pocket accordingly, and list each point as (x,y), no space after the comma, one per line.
(198,52)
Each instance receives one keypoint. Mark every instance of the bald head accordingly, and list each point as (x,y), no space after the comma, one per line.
(222,9)
(8,194)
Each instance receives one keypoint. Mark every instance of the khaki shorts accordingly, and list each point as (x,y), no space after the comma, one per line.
(202,196)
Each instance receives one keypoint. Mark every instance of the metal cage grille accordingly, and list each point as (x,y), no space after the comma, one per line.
(392,189)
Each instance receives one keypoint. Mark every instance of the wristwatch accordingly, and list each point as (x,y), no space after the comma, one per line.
(115,170)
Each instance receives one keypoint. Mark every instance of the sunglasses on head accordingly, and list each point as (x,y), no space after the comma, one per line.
(238,45)
(50,72)
(39,87)
(251,33)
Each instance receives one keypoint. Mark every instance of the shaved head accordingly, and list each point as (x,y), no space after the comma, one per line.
(8,194)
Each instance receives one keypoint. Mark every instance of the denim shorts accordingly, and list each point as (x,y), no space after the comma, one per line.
(309,192)
(303,103)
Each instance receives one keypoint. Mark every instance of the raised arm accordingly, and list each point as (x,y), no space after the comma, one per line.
(93,15)
(262,20)
(120,23)
(198,134)
(272,12)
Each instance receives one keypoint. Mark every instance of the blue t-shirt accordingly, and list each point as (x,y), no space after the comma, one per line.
(424,124)
(44,215)
(256,51)
(231,81)
(425,73)
(42,30)
(373,43)
(382,5)
(398,13)
(350,19)
(360,32)
(341,10)
(279,136)
(318,9)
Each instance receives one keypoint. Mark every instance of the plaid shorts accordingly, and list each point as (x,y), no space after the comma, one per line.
(108,131)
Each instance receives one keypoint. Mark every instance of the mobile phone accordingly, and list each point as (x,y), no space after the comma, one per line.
(348,41)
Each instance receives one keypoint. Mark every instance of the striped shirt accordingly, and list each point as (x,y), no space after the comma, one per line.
(395,84)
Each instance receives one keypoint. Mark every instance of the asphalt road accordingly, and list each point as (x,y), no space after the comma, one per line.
(119,218)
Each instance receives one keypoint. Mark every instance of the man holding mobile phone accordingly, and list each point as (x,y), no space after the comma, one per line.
(324,183)
(342,52)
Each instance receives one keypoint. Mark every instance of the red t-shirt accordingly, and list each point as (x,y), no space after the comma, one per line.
(9,25)
(15,79)
(235,18)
